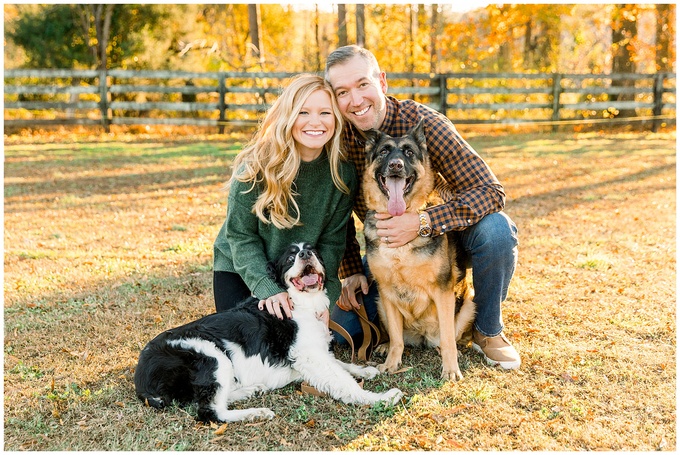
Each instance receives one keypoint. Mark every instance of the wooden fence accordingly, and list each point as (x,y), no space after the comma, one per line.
(217,99)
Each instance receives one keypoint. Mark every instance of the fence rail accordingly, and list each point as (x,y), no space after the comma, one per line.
(123,97)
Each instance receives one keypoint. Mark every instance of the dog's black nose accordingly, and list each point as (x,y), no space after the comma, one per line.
(396,164)
(305,254)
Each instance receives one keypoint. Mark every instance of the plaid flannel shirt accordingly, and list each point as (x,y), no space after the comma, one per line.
(463,179)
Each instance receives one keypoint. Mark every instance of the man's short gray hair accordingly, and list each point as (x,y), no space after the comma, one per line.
(345,53)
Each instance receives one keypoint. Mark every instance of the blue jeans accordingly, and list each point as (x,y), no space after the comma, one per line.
(491,250)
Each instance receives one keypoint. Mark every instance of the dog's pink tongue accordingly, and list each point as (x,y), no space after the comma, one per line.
(396,205)
(310,280)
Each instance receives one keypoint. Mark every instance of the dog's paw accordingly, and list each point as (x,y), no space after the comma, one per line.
(389,367)
(392,396)
(382,349)
(453,375)
(369,372)
(261,414)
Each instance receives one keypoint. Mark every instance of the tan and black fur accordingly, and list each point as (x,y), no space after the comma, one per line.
(425,295)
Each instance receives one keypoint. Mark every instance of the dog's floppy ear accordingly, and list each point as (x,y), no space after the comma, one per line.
(271,271)
(318,256)
(418,133)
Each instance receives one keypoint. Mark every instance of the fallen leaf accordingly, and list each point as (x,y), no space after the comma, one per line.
(221,430)
(569,378)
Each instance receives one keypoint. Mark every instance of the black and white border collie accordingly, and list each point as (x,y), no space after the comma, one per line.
(229,356)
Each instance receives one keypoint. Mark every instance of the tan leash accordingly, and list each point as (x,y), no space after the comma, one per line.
(341,330)
(368,342)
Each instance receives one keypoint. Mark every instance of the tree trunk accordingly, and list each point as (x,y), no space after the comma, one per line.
(102,28)
(434,36)
(317,37)
(528,47)
(624,31)
(256,50)
(435,31)
(665,15)
(342,25)
(361,28)
(413,36)
(105,26)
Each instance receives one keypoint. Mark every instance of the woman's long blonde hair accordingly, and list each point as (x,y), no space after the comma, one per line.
(272,160)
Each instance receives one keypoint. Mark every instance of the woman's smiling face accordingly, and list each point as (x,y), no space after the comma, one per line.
(315,125)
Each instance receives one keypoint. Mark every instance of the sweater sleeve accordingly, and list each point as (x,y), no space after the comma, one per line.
(332,241)
(247,248)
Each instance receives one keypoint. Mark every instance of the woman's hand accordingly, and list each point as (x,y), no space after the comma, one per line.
(276,303)
(324,317)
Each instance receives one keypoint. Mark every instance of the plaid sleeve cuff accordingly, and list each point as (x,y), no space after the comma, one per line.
(459,214)
(351,261)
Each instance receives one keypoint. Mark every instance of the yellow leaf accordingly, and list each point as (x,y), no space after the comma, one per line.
(221,430)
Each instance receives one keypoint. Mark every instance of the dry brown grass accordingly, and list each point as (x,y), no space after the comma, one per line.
(108,241)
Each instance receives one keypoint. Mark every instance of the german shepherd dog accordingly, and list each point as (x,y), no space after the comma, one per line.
(425,294)
(232,355)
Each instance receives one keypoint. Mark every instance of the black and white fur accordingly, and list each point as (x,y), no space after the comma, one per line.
(229,356)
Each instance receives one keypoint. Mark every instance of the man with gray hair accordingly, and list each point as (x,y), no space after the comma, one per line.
(474,200)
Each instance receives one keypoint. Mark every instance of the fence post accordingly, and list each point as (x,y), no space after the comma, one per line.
(556,91)
(222,87)
(658,100)
(443,93)
(104,100)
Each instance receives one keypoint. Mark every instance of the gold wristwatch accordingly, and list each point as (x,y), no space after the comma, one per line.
(425,228)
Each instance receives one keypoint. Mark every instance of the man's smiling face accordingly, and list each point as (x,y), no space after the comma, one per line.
(360,93)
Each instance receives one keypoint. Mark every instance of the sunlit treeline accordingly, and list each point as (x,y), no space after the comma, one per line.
(405,38)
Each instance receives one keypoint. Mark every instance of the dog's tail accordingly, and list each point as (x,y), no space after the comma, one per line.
(163,376)
(465,314)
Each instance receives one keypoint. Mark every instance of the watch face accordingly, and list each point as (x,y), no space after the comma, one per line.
(425,231)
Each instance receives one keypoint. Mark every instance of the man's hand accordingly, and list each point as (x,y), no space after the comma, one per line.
(276,303)
(350,285)
(396,231)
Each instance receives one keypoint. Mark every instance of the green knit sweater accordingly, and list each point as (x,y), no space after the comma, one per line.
(245,244)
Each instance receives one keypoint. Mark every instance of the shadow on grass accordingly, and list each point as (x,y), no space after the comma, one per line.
(121,170)
(545,203)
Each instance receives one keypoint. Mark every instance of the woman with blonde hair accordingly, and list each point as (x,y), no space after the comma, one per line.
(291,183)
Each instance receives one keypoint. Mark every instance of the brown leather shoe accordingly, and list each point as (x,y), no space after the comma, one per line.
(496,350)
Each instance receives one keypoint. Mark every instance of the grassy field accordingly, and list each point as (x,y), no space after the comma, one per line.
(108,241)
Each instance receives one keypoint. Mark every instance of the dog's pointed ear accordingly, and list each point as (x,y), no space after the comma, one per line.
(372,136)
(418,133)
